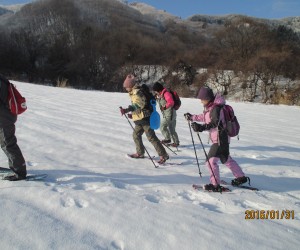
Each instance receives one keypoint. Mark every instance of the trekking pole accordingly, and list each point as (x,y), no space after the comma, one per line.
(195,149)
(169,148)
(143,144)
(207,158)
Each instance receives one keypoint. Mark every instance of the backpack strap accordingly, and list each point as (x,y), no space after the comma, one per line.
(221,123)
(148,107)
(212,107)
(4,83)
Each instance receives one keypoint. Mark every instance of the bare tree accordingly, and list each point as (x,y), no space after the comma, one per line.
(239,41)
(249,85)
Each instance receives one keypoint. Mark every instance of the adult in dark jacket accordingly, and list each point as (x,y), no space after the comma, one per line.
(8,139)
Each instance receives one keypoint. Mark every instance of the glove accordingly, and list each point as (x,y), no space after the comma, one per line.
(129,116)
(123,111)
(162,108)
(198,127)
(188,116)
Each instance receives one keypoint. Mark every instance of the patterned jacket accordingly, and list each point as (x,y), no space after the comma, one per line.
(138,104)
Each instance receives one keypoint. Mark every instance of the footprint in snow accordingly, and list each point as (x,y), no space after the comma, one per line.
(119,185)
(152,198)
(31,164)
(82,203)
(187,196)
(211,207)
(70,202)
(117,245)
(58,189)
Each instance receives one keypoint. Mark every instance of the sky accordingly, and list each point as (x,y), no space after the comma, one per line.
(271,9)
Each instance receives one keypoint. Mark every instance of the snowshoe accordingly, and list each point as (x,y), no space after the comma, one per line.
(163,159)
(136,156)
(14,177)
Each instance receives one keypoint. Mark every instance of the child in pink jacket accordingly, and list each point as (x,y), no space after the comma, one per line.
(168,123)
(212,120)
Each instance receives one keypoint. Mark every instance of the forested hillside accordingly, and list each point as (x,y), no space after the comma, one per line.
(92,44)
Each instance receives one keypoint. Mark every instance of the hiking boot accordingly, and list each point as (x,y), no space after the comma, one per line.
(217,188)
(165,141)
(14,177)
(211,188)
(136,156)
(240,180)
(163,159)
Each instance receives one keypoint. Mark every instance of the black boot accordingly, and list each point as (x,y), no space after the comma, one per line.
(14,177)
(212,188)
(240,180)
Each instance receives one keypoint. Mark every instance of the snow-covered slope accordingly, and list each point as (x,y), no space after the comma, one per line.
(149,10)
(14,8)
(96,198)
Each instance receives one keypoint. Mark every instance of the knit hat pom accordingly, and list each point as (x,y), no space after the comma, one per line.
(129,82)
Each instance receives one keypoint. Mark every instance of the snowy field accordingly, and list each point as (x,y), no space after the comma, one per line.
(96,198)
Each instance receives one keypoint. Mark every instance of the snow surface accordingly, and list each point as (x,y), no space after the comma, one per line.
(149,10)
(96,198)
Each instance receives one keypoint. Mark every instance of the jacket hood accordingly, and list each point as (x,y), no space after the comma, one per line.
(219,99)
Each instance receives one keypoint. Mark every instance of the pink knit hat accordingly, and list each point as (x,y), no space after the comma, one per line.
(129,81)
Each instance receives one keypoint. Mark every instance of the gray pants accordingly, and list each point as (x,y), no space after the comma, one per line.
(9,144)
(167,128)
(151,136)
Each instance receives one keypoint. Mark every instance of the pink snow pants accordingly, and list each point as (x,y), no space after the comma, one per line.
(214,169)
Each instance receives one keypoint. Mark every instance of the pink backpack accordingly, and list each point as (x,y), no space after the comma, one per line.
(232,125)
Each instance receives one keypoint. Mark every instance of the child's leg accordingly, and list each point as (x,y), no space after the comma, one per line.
(213,168)
(164,128)
(234,167)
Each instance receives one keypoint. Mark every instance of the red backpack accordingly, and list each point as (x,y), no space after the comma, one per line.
(16,102)
(176,98)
